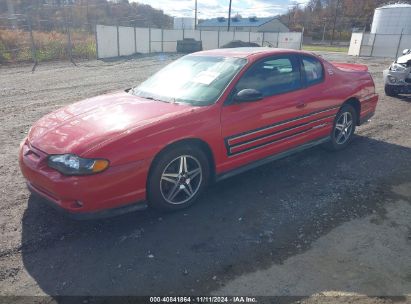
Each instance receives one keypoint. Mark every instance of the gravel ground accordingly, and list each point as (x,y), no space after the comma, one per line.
(324,226)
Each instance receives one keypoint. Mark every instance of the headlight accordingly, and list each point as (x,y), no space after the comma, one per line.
(397,67)
(70,164)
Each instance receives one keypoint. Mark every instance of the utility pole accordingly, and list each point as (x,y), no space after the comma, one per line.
(195,16)
(229,17)
(335,20)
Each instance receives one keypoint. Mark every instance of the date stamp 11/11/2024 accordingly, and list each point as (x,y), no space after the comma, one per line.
(204,299)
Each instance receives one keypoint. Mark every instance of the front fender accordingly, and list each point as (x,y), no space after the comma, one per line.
(147,142)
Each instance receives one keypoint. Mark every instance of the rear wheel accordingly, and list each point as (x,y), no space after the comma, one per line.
(390,90)
(343,129)
(178,178)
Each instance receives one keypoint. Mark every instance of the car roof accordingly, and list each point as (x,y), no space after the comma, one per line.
(245,52)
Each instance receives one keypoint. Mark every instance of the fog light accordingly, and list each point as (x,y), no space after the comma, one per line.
(78,204)
(392,79)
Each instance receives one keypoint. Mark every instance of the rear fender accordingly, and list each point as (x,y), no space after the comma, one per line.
(350,67)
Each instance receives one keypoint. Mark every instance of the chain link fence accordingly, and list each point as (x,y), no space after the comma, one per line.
(24,38)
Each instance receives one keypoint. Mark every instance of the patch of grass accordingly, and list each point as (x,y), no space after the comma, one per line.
(85,49)
(325,48)
(4,54)
(15,46)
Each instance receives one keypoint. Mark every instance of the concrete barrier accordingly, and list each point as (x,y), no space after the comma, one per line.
(378,45)
(115,41)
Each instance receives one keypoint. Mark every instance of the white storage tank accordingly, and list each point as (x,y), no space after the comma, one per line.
(392,19)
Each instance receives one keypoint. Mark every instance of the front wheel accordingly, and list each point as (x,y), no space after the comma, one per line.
(177,178)
(343,128)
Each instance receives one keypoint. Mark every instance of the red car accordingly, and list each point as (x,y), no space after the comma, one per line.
(204,117)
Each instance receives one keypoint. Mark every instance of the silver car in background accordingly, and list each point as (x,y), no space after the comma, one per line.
(397,77)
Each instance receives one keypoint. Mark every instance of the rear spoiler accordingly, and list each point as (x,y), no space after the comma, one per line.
(350,66)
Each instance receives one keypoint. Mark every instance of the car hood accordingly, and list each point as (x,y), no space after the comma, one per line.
(81,126)
(404,59)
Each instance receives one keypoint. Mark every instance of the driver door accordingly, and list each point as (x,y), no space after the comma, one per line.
(256,129)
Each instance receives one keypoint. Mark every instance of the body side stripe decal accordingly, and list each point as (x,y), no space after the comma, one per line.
(281,131)
(240,135)
(269,143)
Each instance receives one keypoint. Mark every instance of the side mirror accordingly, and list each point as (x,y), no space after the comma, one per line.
(406,51)
(248,95)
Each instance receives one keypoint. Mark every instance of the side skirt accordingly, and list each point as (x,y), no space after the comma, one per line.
(271,158)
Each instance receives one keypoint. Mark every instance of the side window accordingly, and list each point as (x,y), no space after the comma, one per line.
(272,76)
(313,70)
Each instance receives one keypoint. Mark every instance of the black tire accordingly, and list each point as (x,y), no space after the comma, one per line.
(390,90)
(159,184)
(335,142)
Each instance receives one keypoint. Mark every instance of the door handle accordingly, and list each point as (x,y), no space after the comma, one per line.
(301,105)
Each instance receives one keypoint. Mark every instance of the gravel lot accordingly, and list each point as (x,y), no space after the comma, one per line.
(314,224)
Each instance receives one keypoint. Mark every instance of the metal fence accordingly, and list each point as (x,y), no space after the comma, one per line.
(115,41)
(378,45)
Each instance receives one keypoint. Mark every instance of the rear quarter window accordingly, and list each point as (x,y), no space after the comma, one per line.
(313,70)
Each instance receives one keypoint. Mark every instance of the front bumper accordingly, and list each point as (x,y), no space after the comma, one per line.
(400,80)
(86,215)
(101,195)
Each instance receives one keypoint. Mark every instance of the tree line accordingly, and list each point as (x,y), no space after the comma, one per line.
(49,15)
(333,19)
(321,19)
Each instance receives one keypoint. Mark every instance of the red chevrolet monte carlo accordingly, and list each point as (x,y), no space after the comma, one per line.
(204,117)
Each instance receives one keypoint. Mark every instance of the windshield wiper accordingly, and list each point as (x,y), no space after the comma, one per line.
(172,100)
(152,98)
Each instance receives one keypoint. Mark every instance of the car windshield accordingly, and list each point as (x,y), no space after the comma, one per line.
(196,80)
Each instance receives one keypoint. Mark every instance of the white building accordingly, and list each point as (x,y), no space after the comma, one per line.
(185,23)
(250,24)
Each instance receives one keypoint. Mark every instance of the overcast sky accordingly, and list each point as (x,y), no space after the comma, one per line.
(215,8)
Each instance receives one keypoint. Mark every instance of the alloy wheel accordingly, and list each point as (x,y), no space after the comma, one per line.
(343,128)
(181,179)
